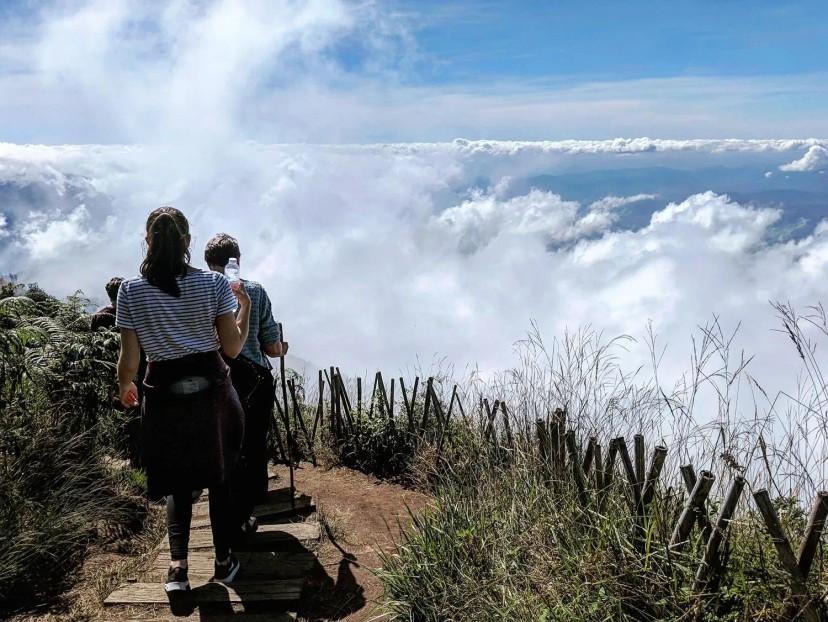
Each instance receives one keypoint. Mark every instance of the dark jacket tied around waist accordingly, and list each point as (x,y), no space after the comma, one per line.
(190,441)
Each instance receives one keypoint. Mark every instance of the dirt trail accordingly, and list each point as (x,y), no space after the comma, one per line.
(364,516)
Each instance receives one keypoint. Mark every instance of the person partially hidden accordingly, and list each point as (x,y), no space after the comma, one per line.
(253,380)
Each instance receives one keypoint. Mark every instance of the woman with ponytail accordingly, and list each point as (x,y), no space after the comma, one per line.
(192,420)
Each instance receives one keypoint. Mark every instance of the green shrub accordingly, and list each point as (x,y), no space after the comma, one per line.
(60,486)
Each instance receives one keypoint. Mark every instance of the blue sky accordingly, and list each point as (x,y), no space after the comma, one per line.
(614,40)
(408,71)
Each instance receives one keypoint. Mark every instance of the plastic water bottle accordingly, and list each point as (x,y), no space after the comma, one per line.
(231,271)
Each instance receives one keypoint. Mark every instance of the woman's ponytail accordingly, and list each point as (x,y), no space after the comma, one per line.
(167,250)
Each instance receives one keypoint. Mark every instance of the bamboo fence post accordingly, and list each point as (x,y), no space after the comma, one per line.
(813,532)
(426,407)
(599,466)
(359,400)
(343,393)
(688,474)
(656,465)
(462,410)
(797,603)
(507,427)
(405,399)
(411,406)
(277,434)
(647,488)
(628,469)
(543,446)
(320,406)
(439,415)
(301,420)
(708,568)
(577,471)
(640,458)
(451,403)
(560,416)
(373,396)
(344,401)
(441,419)
(340,420)
(332,386)
(589,453)
(391,401)
(491,413)
(557,446)
(692,510)
(555,442)
(448,413)
(487,430)
(609,471)
(383,398)
(288,435)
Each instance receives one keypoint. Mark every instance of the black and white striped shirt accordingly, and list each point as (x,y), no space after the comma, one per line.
(170,327)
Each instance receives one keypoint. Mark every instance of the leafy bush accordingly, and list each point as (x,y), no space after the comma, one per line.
(60,488)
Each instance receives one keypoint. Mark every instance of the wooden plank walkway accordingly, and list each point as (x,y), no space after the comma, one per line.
(212,617)
(279,508)
(275,562)
(278,537)
(206,591)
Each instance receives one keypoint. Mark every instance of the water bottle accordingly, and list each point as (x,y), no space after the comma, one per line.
(231,271)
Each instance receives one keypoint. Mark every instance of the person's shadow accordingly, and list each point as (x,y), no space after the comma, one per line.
(326,598)
(275,563)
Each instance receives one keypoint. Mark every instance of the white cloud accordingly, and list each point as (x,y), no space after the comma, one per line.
(613,202)
(815,159)
(53,238)
(377,256)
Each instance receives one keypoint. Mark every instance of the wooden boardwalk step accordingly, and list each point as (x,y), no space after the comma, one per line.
(285,590)
(204,616)
(271,509)
(254,566)
(282,535)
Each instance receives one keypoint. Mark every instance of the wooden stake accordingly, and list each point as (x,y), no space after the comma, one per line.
(688,474)
(577,471)
(628,469)
(289,438)
(638,446)
(708,569)
(599,466)
(798,603)
(693,508)
(813,531)
(588,454)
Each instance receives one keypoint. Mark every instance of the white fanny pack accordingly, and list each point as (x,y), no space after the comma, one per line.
(189,385)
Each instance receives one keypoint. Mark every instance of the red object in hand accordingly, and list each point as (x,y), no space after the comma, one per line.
(132,398)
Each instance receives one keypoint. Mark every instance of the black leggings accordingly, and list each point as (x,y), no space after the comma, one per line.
(250,479)
(222,522)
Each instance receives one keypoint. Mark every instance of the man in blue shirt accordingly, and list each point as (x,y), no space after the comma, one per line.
(253,380)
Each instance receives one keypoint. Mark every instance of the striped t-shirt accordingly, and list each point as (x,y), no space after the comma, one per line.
(170,327)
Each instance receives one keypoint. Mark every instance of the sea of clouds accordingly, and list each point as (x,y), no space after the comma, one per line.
(387,256)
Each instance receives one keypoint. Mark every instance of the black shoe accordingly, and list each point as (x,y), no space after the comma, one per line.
(225,573)
(177,580)
(250,526)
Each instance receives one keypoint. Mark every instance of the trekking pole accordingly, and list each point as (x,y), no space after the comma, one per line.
(286,415)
